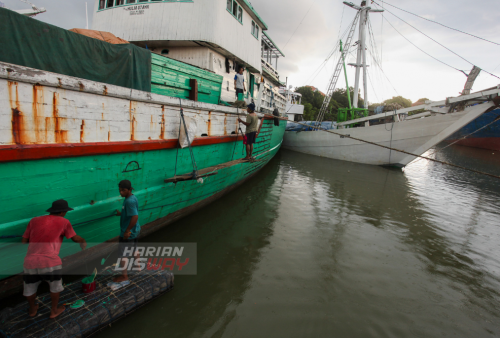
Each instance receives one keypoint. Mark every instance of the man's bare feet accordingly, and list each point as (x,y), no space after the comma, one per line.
(60,309)
(119,279)
(32,311)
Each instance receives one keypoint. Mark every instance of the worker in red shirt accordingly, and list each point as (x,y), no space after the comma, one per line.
(42,262)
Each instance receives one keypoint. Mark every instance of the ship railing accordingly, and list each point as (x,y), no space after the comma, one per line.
(430,107)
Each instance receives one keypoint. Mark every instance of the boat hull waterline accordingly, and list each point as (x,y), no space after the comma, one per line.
(64,137)
(413,136)
(486,138)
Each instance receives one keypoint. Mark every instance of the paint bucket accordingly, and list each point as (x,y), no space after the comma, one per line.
(88,284)
(240,96)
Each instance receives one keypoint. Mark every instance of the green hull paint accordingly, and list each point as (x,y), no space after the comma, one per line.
(90,185)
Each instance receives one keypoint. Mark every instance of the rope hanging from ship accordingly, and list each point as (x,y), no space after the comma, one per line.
(183,122)
(399,150)
(328,131)
(460,139)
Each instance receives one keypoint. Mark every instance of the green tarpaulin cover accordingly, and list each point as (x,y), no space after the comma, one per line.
(28,42)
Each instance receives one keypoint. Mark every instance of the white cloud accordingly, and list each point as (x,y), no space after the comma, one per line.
(412,73)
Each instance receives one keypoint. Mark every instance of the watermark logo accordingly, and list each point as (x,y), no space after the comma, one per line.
(108,258)
(178,258)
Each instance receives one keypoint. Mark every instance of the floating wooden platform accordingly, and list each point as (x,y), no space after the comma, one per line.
(102,307)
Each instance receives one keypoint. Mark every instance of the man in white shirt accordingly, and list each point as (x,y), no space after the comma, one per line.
(239,82)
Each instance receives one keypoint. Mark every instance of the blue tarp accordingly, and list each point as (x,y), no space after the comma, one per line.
(292,126)
(379,110)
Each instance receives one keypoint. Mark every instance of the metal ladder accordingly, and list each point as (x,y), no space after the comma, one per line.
(336,74)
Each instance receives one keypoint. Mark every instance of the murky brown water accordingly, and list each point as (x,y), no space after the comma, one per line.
(315,247)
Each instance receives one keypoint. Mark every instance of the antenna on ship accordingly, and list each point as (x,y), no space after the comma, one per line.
(28,12)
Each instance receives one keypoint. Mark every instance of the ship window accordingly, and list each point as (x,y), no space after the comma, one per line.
(131,1)
(120,2)
(164,51)
(110,3)
(240,14)
(235,8)
(102,4)
(255,29)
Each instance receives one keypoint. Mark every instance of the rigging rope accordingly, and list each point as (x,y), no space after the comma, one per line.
(420,49)
(333,52)
(312,3)
(460,139)
(458,30)
(237,131)
(394,149)
(437,43)
(376,59)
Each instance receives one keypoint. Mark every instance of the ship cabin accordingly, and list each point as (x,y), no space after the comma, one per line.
(294,108)
(219,36)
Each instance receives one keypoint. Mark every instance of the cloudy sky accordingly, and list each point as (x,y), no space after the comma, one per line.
(405,70)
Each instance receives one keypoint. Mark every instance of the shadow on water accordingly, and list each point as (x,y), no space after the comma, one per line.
(230,234)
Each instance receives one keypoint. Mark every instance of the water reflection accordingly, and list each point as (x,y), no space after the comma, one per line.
(318,247)
(230,234)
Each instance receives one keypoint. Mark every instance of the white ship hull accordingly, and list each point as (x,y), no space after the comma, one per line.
(415,136)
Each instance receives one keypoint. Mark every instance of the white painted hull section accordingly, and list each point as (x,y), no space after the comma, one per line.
(55,108)
(414,136)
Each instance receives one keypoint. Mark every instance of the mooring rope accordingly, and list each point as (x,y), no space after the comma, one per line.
(460,139)
(391,148)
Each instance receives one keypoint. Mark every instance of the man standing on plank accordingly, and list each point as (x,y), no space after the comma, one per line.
(42,262)
(251,131)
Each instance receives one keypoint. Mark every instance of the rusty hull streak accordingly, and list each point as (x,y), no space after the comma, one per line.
(225,124)
(82,132)
(132,121)
(17,129)
(162,131)
(105,92)
(209,124)
(41,124)
(17,115)
(59,135)
(82,87)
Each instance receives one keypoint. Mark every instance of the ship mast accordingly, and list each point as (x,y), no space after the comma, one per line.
(364,11)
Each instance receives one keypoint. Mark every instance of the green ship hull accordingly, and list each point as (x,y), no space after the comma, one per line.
(89,184)
(62,142)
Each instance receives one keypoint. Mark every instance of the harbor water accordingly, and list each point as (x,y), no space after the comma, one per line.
(313,247)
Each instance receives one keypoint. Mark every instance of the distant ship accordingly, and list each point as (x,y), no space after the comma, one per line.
(413,134)
(483,132)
